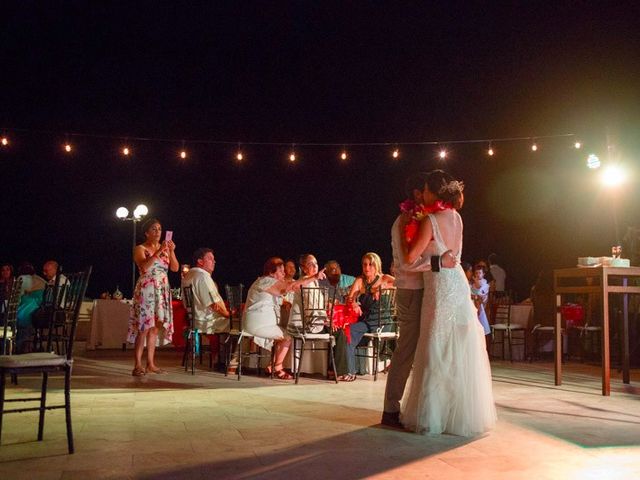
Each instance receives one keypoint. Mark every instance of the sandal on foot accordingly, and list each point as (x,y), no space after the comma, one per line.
(347,378)
(138,372)
(282,375)
(157,371)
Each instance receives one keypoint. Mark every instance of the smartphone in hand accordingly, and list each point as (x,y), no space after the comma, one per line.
(168,236)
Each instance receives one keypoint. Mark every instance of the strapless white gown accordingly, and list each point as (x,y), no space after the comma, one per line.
(449,389)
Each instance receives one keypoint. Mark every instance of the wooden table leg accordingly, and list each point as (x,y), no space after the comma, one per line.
(625,335)
(557,345)
(606,361)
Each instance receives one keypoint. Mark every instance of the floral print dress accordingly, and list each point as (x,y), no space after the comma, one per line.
(152,302)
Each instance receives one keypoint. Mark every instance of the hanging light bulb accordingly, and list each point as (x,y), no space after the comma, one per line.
(343,155)
(126,151)
(396,153)
(490,151)
(292,157)
(577,145)
(183,154)
(534,147)
(442,154)
(239,156)
(4,141)
(67,147)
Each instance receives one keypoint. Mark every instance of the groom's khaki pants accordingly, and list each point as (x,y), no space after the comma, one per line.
(409,304)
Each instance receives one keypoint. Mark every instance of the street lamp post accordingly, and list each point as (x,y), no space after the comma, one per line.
(123,214)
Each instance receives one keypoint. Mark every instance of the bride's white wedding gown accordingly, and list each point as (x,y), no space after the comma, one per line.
(449,389)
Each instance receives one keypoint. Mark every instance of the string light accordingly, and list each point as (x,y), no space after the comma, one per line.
(344,155)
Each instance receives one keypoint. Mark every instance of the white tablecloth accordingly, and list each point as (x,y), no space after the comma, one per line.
(109,324)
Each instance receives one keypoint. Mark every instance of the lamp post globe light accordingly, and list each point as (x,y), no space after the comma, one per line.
(138,214)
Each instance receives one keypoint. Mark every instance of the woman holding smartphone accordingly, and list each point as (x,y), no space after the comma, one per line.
(151,320)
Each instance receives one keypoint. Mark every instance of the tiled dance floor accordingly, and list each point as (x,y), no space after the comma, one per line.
(209,426)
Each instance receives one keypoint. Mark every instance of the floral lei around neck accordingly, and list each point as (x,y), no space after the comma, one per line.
(418,212)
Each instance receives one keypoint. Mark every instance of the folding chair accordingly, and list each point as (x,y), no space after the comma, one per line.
(191,333)
(48,362)
(10,323)
(313,327)
(506,328)
(387,329)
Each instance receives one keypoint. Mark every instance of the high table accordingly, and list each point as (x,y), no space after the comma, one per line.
(601,281)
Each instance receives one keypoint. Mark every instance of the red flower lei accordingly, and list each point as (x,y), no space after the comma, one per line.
(418,212)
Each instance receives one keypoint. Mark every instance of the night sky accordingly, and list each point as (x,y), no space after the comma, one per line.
(311,72)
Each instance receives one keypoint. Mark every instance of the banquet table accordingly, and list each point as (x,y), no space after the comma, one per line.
(601,281)
(179,322)
(109,324)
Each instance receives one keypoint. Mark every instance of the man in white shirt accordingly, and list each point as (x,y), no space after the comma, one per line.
(209,311)
(409,284)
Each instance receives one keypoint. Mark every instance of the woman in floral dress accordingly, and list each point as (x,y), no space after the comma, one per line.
(151,320)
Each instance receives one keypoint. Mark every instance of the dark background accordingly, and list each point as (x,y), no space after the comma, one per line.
(311,72)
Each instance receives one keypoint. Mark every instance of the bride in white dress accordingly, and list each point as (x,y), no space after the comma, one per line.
(449,390)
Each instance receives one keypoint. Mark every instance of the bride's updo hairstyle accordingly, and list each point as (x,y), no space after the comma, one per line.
(446,188)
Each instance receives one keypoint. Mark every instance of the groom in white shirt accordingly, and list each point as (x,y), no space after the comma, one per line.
(409,286)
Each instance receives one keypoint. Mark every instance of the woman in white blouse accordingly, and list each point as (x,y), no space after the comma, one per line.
(262,311)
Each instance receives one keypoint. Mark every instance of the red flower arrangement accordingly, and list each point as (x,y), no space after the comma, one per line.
(418,212)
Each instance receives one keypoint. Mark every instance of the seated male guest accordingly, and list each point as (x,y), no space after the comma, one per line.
(336,280)
(49,270)
(209,311)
